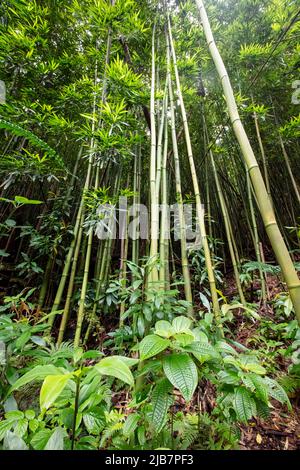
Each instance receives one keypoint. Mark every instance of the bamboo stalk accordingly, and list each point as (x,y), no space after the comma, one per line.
(199,209)
(179,199)
(154,216)
(256,239)
(165,230)
(226,222)
(263,154)
(264,203)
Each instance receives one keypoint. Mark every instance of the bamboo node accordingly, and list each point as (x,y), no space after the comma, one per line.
(270,224)
(255,165)
(235,120)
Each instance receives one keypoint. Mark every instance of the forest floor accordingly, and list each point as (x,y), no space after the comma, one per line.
(282,430)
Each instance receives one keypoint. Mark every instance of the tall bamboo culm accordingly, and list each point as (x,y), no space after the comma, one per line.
(199,209)
(264,203)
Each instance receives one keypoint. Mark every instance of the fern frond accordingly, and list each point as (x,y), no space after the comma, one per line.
(291,384)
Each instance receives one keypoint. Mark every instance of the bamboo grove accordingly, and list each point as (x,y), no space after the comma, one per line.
(119,116)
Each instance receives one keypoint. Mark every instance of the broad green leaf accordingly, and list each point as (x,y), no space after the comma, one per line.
(161,401)
(5,426)
(256,368)
(131,424)
(13,442)
(21,427)
(260,386)
(226,308)
(243,404)
(184,338)
(23,339)
(40,439)
(263,410)
(14,415)
(116,367)
(56,440)
(205,301)
(92,354)
(152,345)
(141,435)
(202,351)
(37,373)
(164,328)
(129,361)
(181,324)
(10,404)
(34,424)
(77,355)
(232,360)
(10,223)
(38,340)
(52,387)
(141,325)
(200,335)
(229,377)
(182,373)
(94,420)
(29,414)
(4,253)
(277,392)
(247,382)
(224,347)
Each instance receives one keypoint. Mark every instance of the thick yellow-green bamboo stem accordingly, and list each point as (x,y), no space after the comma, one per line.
(264,203)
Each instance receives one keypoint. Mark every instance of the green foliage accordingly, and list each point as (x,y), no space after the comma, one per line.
(61,389)
(33,139)
(75,134)
(283,305)
(254,51)
(161,401)
(189,354)
(292,128)
(181,371)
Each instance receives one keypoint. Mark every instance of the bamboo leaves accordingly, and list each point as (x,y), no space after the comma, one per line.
(33,139)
